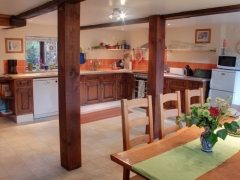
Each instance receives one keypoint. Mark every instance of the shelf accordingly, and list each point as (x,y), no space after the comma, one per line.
(6,115)
(113,49)
(192,50)
(6,97)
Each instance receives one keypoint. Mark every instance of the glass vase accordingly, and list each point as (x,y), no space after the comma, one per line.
(206,146)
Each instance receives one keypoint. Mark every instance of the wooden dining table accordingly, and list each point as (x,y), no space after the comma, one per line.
(229,169)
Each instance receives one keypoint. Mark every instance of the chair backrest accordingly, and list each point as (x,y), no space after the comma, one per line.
(166,113)
(193,93)
(127,123)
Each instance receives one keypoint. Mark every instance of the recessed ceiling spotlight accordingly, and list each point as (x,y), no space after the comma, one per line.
(30,20)
(168,24)
(118,14)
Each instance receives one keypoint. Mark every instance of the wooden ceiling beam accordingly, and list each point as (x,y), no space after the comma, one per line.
(203,12)
(4,20)
(119,23)
(45,8)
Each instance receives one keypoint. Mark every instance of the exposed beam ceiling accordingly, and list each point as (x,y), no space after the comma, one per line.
(203,12)
(180,15)
(45,8)
(119,23)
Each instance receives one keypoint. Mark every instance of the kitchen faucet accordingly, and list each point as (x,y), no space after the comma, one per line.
(95,65)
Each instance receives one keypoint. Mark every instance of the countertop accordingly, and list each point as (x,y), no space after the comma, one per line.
(53,73)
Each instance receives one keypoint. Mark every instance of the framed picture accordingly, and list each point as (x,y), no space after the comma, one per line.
(14,45)
(202,36)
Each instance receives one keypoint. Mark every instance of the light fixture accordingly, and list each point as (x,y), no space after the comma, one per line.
(118,14)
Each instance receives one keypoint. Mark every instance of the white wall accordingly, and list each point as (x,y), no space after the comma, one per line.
(138,38)
(29,30)
(187,34)
(89,38)
(232,36)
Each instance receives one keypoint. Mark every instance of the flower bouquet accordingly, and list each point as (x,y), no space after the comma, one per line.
(210,118)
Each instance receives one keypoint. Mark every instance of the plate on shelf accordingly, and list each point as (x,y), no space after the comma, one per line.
(6,112)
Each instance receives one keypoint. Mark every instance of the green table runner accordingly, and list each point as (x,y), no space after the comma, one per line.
(187,162)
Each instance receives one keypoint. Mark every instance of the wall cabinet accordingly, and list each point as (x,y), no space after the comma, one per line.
(23,93)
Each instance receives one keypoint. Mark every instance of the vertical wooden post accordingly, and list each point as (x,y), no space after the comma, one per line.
(156,64)
(69,84)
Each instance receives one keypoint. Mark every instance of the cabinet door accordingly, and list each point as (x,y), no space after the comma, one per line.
(92,92)
(24,101)
(129,86)
(172,104)
(108,92)
(120,89)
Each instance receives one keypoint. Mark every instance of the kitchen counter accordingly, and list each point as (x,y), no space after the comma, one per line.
(88,72)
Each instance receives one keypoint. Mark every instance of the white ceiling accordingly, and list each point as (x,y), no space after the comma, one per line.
(98,11)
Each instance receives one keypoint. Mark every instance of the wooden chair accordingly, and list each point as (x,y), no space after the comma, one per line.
(128,124)
(193,93)
(166,113)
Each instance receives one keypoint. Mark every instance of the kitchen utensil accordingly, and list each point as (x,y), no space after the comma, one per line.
(189,71)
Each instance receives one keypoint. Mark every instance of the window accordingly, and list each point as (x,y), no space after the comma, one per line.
(41,50)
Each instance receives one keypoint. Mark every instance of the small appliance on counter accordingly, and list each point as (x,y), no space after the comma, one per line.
(177,71)
(12,66)
(202,73)
(189,71)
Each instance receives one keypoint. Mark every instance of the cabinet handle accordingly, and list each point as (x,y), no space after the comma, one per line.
(23,83)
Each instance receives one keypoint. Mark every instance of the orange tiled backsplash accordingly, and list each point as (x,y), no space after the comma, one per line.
(21,66)
(105,64)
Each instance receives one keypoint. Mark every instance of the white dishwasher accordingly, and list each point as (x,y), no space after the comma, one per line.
(45,97)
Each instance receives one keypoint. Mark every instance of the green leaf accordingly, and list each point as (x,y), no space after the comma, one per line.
(234,126)
(212,139)
(227,126)
(222,133)
(193,121)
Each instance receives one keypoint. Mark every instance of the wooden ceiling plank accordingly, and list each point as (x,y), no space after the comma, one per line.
(203,12)
(119,23)
(45,8)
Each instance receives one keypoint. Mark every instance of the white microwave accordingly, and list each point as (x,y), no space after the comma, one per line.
(228,62)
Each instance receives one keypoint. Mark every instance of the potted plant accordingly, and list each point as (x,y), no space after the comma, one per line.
(210,118)
(52,65)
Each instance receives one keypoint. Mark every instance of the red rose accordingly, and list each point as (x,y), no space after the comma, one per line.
(214,111)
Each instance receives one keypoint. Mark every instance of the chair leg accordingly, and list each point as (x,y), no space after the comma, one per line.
(126,174)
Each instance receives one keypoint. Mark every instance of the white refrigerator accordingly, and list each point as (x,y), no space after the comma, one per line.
(224,83)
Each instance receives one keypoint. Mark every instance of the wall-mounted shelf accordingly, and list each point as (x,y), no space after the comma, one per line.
(192,50)
(113,49)
(6,97)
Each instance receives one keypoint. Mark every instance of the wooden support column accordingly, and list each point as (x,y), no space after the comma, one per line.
(156,64)
(69,85)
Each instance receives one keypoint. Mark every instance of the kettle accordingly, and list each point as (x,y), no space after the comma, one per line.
(189,71)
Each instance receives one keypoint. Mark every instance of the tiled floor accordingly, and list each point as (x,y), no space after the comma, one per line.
(31,150)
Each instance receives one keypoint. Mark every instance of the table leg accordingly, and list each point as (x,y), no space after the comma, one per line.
(126,174)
